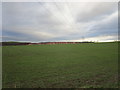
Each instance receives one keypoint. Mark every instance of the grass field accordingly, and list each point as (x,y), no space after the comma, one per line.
(83,65)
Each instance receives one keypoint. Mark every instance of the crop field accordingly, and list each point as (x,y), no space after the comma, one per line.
(85,65)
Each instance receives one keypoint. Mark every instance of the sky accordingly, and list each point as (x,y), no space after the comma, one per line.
(59,21)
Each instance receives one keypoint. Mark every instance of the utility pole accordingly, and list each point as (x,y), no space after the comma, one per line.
(83,38)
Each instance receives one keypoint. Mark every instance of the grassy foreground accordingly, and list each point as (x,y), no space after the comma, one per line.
(61,66)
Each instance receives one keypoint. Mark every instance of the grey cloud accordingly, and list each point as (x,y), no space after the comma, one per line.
(48,22)
(107,27)
(97,11)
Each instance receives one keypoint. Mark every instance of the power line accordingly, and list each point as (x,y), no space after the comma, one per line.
(70,13)
(68,21)
(60,12)
(72,17)
(65,19)
(48,11)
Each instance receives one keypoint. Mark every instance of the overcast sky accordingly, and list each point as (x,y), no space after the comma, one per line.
(59,21)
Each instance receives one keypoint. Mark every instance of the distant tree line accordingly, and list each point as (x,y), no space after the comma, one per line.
(29,43)
(14,43)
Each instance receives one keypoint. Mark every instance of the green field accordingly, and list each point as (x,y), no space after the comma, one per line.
(83,65)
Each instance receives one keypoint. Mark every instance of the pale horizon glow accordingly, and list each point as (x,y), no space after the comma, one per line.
(60,0)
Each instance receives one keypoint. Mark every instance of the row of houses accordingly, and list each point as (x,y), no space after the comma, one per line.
(41,43)
(54,43)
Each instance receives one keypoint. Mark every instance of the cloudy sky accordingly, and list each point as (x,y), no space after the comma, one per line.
(59,21)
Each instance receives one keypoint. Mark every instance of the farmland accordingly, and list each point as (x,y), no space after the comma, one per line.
(83,65)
